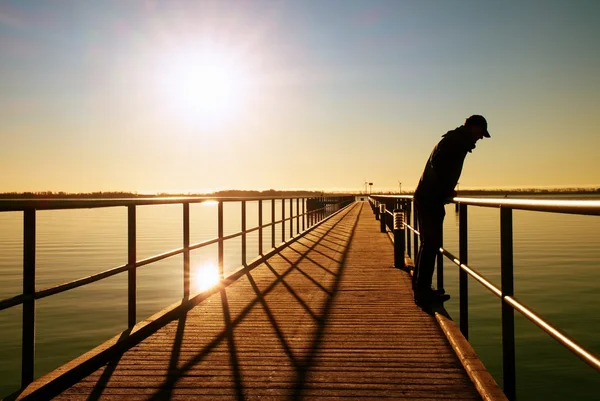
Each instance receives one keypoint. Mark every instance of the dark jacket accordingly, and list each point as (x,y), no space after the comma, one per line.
(444,166)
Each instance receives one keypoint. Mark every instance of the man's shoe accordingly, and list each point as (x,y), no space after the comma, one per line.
(442,297)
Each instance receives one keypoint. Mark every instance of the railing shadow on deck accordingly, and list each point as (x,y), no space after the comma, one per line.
(176,372)
(230,323)
(395,212)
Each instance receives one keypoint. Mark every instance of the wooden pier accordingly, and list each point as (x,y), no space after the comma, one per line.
(328,317)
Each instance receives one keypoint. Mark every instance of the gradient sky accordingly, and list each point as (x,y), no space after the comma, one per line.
(324,94)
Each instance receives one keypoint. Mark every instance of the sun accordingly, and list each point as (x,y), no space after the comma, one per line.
(207,85)
(204,277)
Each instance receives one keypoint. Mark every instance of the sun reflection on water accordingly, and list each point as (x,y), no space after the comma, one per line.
(205,277)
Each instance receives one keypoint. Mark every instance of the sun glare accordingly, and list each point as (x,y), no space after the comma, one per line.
(208,86)
(205,277)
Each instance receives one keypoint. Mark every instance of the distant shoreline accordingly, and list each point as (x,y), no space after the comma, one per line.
(274,193)
(120,195)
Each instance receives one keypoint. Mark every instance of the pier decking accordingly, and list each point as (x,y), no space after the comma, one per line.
(326,318)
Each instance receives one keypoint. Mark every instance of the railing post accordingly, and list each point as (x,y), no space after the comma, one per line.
(220,237)
(440,265)
(131,259)
(303,214)
(399,246)
(508,313)
(291,217)
(416,226)
(321,214)
(243,233)
(382,216)
(297,215)
(282,220)
(462,275)
(28,334)
(260,227)
(186,250)
(377,208)
(408,215)
(272,223)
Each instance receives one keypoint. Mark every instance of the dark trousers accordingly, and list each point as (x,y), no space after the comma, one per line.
(431,224)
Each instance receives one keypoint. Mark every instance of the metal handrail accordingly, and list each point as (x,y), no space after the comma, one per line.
(19,299)
(506,294)
(585,207)
(12,205)
(563,339)
(29,207)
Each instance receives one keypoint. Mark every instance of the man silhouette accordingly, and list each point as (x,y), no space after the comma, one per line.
(435,189)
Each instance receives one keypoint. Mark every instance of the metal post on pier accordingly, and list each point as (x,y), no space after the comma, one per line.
(283,220)
(28,333)
(260,227)
(243,233)
(186,250)
(272,223)
(408,214)
(303,214)
(220,237)
(508,313)
(462,275)
(131,260)
(291,217)
(440,266)
(297,215)
(399,238)
(382,215)
(416,226)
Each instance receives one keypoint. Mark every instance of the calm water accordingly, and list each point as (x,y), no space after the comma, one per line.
(557,274)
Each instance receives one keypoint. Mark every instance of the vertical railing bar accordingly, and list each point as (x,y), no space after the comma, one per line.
(220,236)
(508,313)
(282,220)
(186,250)
(463,282)
(291,217)
(416,226)
(297,215)
(131,260)
(243,233)
(28,333)
(260,227)
(440,265)
(321,209)
(408,236)
(272,223)
(303,214)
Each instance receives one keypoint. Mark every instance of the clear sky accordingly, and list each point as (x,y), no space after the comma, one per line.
(186,96)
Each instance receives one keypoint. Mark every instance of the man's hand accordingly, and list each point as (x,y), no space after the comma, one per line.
(449,198)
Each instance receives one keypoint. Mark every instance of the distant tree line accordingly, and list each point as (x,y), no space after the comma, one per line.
(517,191)
(119,194)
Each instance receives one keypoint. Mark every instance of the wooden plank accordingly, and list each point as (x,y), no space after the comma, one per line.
(326,318)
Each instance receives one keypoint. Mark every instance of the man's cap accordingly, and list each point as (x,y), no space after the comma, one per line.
(480,121)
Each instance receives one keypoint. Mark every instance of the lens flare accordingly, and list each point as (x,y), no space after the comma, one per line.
(205,276)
